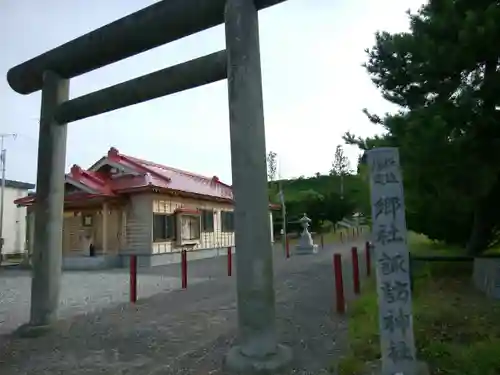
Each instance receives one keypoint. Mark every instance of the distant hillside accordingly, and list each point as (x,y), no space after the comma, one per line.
(299,192)
(355,188)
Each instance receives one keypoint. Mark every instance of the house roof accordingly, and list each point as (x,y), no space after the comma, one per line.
(161,176)
(134,174)
(18,184)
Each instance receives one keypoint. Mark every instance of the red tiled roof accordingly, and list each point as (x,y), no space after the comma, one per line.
(69,198)
(92,180)
(161,176)
(143,175)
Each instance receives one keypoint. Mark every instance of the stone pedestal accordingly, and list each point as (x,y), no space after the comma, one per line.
(306,244)
(31,331)
(275,363)
(422,369)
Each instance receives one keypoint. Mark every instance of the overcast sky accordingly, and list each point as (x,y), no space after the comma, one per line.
(314,85)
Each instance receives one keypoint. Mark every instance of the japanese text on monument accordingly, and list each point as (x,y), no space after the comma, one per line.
(392,261)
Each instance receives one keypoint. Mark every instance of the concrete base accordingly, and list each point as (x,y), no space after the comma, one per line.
(122,260)
(486,276)
(31,331)
(98,262)
(422,369)
(239,363)
(305,250)
(162,259)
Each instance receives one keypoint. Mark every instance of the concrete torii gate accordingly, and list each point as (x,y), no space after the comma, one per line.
(160,23)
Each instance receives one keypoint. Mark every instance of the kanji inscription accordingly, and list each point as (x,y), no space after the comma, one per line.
(392,262)
(396,320)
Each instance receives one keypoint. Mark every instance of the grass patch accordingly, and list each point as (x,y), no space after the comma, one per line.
(421,245)
(493,251)
(457,329)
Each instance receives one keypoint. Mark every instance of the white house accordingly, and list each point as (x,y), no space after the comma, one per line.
(14,217)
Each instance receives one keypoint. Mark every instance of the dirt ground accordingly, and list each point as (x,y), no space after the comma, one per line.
(189,331)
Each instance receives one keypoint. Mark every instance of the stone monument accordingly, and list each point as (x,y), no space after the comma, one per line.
(306,244)
(392,264)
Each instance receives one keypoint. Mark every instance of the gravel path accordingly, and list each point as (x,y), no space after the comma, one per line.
(188,332)
(81,292)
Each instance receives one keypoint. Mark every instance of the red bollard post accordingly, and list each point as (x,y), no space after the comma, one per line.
(133,278)
(368,258)
(287,248)
(339,283)
(355,270)
(229,261)
(184,279)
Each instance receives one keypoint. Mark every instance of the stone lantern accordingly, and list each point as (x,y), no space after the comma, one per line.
(306,244)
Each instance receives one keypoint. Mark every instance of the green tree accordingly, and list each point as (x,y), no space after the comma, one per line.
(340,168)
(272,170)
(359,191)
(340,165)
(272,165)
(443,74)
(319,207)
(337,207)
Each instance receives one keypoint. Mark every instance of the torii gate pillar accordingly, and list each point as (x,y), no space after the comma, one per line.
(259,350)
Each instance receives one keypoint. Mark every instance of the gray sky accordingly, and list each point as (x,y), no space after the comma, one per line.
(314,85)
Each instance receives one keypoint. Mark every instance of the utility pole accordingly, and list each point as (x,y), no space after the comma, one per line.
(3,159)
(283,213)
(342,185)
(283,207)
